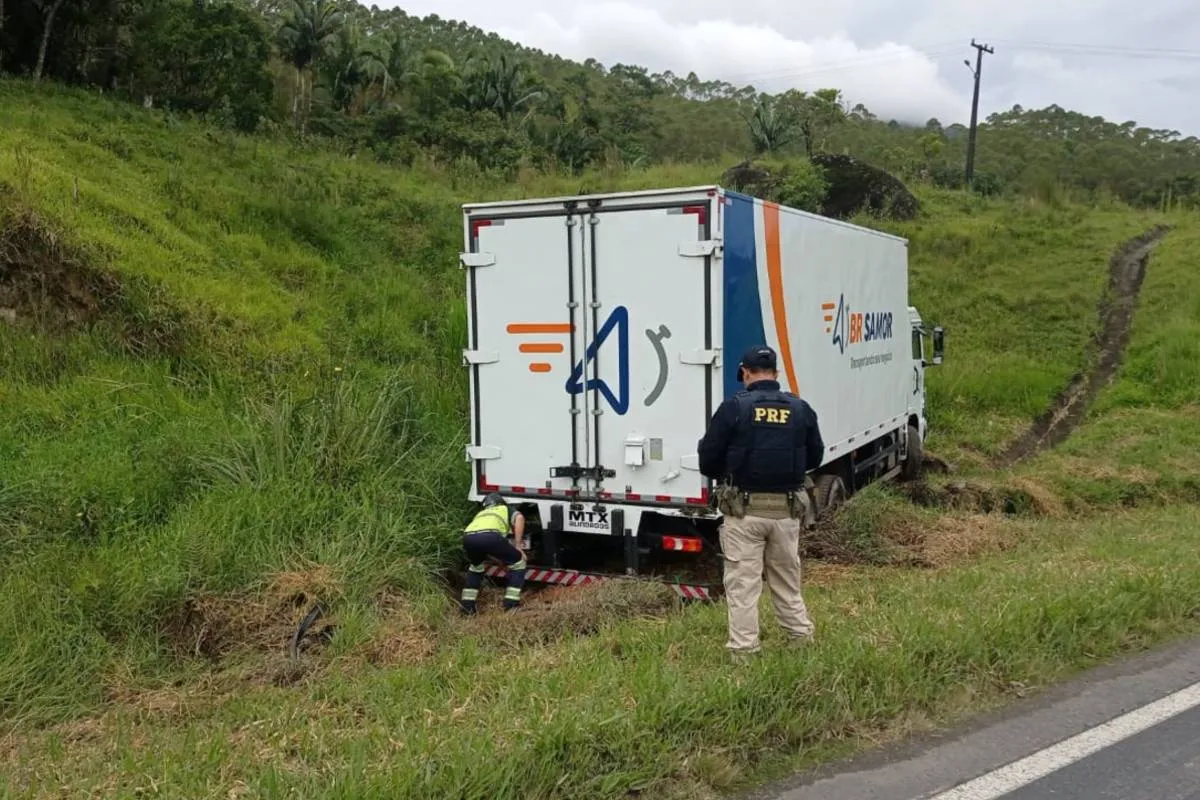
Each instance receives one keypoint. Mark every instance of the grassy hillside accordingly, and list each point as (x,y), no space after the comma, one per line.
(233,378)
(1138,443)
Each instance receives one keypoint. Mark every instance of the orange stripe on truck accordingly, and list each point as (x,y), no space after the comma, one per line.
(540,327)
(775,279)
(541,347)
(539,367)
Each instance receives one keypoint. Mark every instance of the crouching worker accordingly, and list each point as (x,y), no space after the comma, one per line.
(487,536)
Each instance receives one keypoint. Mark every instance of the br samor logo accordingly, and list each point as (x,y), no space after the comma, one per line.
(854,327)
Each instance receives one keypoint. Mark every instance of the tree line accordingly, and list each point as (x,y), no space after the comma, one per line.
(402,87)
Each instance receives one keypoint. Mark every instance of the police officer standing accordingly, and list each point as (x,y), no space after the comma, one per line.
(759,447)
(487,535)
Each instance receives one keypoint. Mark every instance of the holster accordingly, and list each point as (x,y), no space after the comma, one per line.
(803,508)
(731,501)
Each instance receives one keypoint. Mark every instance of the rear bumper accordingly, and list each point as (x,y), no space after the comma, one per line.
(619,538)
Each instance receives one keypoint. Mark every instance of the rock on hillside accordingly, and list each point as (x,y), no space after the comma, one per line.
(846,187)
(856,186)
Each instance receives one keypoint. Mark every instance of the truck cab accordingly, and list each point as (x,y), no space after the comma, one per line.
(928,349)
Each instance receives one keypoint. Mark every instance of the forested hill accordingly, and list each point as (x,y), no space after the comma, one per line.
(405,88)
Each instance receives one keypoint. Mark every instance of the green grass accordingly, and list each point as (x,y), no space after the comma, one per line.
(1138,444)
(600,716)
(274,403)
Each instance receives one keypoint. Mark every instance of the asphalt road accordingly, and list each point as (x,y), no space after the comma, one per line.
(1125,731)
(1162,763)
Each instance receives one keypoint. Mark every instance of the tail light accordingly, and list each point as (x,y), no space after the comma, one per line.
(683,544)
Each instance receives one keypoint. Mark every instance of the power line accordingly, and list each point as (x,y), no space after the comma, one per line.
(1113,51)
(842,66)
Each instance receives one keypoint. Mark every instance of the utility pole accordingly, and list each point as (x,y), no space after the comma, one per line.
(977,72)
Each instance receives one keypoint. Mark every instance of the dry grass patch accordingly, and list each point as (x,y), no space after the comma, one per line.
(953,540)
(562,612)
(402,639)
(214,626)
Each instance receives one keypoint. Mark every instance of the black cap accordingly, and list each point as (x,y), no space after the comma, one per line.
(759,359)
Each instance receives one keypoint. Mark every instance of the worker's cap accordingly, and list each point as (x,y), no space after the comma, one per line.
(759,359)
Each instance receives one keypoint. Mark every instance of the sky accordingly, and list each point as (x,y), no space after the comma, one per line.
(904,60)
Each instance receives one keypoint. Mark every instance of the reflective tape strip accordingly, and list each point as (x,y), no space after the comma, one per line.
(566,577)
(477,568)
(512,593)
(562,577)
(691,592)
(519,565)
(470,594)
(628,497)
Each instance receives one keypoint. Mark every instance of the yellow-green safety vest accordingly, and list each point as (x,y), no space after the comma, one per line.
(490,519)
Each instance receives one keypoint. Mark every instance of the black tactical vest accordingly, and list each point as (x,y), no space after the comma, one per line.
(767,451)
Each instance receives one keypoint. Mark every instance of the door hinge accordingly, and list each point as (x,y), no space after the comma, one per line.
(480,357)
(482,452)
(701,357)
(475,260)
(700,249)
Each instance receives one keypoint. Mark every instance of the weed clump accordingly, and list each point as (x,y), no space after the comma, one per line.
(212,626)
(923,525)
(871,529)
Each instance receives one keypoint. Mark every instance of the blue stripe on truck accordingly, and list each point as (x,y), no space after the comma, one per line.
(743,311)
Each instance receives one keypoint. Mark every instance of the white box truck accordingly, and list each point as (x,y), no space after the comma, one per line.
(604,331)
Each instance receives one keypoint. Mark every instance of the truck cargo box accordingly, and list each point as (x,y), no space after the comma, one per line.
(605,330)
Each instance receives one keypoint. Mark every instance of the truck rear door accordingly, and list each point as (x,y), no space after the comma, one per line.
(526,326)
(646,371)
(591,348)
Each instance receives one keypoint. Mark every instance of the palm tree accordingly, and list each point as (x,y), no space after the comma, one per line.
(501,86)
(771,125)
(349,65)
(390,62)
(305,36)
(436,79)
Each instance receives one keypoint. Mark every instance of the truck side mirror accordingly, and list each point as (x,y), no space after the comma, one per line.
(939,345)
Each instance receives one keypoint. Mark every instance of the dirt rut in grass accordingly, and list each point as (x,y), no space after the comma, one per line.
(1127,270)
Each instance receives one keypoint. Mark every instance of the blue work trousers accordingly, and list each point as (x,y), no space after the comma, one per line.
(479,546)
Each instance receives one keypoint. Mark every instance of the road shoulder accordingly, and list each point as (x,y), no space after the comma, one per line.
(928,764)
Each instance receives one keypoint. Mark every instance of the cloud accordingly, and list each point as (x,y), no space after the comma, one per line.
(892,80)
(1046,79)
(902,60)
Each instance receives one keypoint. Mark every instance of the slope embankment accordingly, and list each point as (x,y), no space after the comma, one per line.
(168,513)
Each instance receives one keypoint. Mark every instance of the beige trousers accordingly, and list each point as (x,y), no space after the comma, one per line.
(751,545)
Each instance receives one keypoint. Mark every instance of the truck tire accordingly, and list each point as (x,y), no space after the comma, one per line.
(831,494)
(916,455)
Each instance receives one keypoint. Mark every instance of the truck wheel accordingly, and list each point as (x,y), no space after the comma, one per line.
(916,455)
(831,494)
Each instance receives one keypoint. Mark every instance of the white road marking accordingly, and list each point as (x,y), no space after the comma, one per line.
(1012,776)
